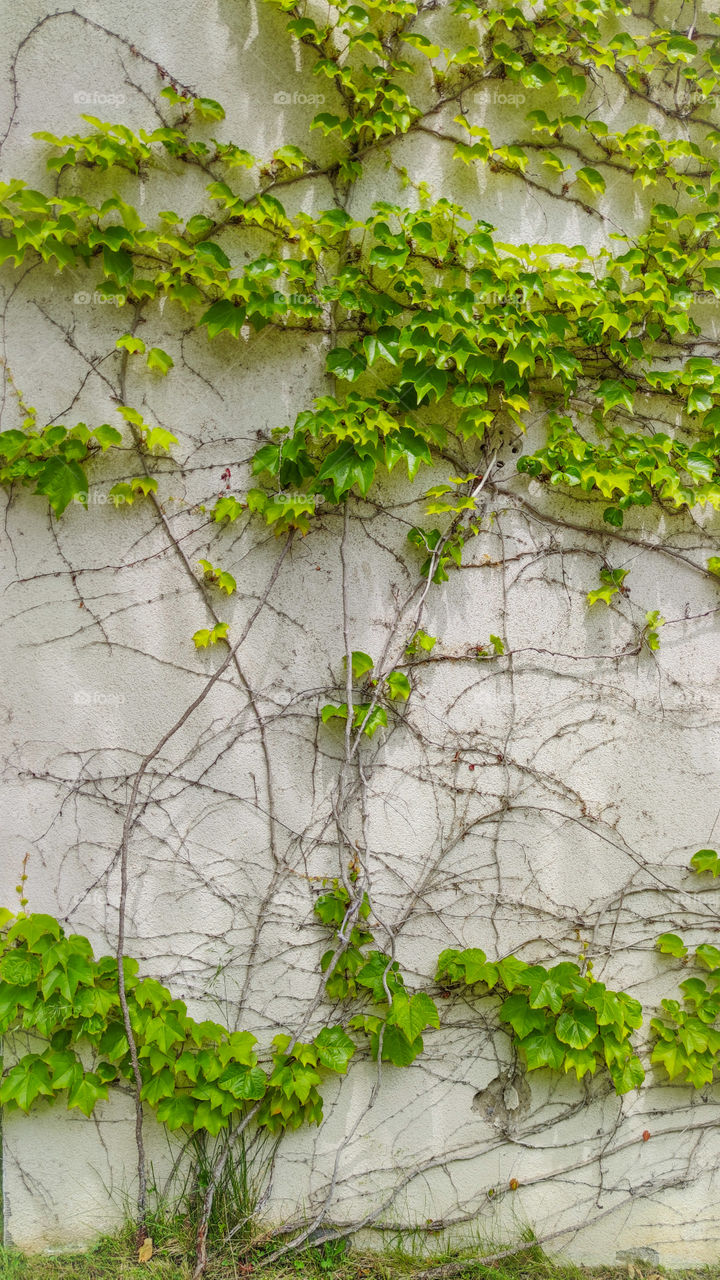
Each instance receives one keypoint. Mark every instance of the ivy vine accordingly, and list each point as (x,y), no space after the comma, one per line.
(444,344)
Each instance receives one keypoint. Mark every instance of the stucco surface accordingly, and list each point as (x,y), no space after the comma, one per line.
(531,803)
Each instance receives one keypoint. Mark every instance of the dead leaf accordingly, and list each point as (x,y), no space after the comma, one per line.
(145,1252)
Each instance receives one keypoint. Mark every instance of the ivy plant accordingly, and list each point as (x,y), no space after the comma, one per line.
(560,1017)
(443,342)
(196,1075)
(687,1031)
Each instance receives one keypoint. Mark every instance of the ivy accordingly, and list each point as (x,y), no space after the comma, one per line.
(420,643)
(211,635)
(195,1075)
(706,860)
(612,581)
(53,460)
(447,315)
(396,1020)
(218,577)
(445,342)
(368,717)
(687,1033)
(561,1018)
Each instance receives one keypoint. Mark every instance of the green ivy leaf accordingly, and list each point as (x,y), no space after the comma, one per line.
(176,1112)
(144,485)
(542,1049)
(27,1080)
(412,1014)
(680,48)
(591,178)
(382,345)
(522,1018)
(671,945)
(20,968)
(430,382)
(396,1047)
(706,860)
(653,622)
(159,438)
(223,317)
(208,109)
(160,360)
(406,445)
(206,1117)
(361,663)
(245,1083)
(612,580)
(672,1057)
(708,955)
(345,467)
(378,973)
(35,929)
(418,41)
(606,1005)
(212,254)
(290,157)
(511,971)
(376,719)
(569,84)
(345,364)
(420,641)
(545,990)
(113,1042)
(576,1026)
(630,1076)
(334,1049)
(227,508)
(131,344)
(107,436)
(398,686)
(614,393)
(118,265)
(330,712)
(66,1068)
(160,1085)
(61,482)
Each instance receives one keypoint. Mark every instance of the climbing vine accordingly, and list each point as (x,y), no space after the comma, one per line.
(197,1075)
(560,1018)
(448,352)
(687,1041)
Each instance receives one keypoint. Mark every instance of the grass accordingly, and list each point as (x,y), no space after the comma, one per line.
(115,1258)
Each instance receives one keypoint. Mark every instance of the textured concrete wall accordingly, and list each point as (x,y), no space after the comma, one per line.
(551,797)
